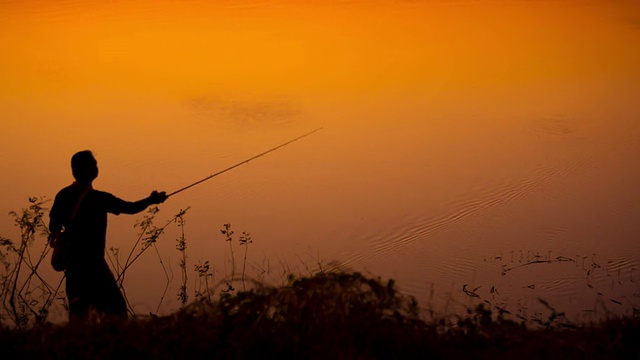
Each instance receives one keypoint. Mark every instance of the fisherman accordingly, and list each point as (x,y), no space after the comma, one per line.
(81,213)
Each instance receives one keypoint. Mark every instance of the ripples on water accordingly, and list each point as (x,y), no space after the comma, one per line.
(583,286)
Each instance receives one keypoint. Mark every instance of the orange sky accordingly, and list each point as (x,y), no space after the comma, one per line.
(116,62)
(137,65)
(175,47)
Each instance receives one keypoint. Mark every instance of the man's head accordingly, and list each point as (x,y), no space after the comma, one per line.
(84,166)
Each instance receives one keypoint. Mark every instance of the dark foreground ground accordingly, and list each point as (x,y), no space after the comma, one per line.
(327,316)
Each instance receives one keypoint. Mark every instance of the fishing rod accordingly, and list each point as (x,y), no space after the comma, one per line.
(243,162)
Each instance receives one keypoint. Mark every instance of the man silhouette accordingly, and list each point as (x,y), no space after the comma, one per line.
(82,212)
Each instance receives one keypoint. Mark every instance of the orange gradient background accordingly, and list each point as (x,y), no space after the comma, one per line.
(454,131)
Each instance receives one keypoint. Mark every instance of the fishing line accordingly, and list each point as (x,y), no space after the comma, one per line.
(243,162)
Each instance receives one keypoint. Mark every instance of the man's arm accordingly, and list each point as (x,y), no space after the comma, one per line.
(126,207)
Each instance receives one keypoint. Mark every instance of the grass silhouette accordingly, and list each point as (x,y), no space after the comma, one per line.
(327,315)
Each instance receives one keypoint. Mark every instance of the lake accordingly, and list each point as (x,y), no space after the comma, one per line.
(470,150)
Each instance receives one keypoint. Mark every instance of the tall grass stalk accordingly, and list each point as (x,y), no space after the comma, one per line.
(147,237)
(24,294)
(245,240)
(228,233)
(166,276)
(181,246)
(202,283)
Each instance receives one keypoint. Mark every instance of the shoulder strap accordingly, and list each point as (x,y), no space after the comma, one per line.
(53,239)
(75,210)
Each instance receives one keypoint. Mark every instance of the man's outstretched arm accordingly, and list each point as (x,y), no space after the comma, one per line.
(135,207)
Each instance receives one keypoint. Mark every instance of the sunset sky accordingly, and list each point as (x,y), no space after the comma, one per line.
(169,48)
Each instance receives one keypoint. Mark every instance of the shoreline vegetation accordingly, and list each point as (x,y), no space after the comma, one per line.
(327,314)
